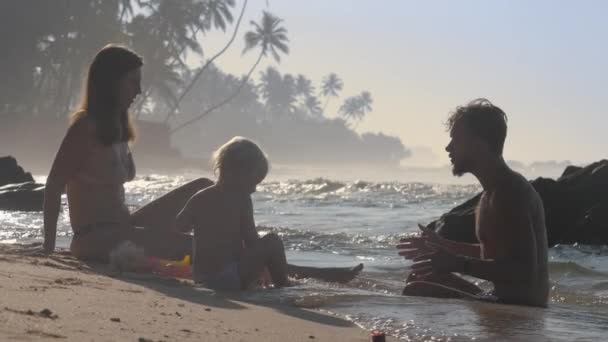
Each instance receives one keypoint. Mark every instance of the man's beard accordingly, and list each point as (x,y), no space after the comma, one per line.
(458,169)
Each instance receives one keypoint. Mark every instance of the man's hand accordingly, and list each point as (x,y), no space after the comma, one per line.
(414,246)
(438,261)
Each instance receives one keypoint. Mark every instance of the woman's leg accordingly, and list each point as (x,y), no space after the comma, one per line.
(268,252)
(97,244)
(161,243)
(160,213)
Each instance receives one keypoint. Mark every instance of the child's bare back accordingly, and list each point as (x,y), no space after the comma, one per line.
(216,215)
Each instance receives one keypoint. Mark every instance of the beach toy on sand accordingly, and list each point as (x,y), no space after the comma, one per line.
(126,256)
(171,268)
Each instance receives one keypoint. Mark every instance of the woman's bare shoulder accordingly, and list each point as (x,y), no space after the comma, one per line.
(81,128)
(82,121)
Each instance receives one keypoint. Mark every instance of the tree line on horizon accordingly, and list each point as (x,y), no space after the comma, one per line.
(51,43)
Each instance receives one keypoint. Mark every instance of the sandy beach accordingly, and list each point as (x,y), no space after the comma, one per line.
(60,298)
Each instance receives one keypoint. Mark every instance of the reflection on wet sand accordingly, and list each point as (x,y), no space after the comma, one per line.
(422,319)
(497,321)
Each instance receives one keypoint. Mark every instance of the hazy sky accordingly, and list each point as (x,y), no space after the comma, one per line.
(545,63)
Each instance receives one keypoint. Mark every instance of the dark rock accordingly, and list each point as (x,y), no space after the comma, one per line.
(576,208)
(23,197)
(592,227)
(456,224)
(17,188)
(569,170)
(11,173)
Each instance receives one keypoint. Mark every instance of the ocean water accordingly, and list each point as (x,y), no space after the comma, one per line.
(331,223)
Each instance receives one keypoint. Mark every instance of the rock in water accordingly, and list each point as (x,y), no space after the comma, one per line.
(22,197)
(17,188)
(576,208)
(11,173)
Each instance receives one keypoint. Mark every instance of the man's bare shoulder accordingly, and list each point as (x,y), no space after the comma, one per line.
(517,191)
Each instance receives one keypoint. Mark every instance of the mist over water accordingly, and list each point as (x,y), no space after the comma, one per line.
(327,222)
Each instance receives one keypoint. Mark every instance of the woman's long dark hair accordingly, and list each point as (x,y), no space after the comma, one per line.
(100,101)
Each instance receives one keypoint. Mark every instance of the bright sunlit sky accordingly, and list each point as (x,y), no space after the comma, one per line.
(545,63)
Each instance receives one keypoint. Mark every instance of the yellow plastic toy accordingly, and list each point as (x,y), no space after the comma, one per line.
(172,268)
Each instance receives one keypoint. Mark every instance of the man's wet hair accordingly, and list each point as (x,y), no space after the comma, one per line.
(484,120)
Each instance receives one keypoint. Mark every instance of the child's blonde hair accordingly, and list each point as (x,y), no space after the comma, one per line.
(240,156)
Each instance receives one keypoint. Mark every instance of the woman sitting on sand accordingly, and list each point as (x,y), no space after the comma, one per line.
(93,163)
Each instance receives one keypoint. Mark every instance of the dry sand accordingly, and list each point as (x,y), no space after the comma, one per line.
(60,298)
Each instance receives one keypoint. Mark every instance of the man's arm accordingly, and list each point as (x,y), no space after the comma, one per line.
(514,268)
(499,270)
(416,246)
(515,238)
(517,260)
(461,248)
(249,233)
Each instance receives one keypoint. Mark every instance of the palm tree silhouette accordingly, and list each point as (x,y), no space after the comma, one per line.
(332,85)
(218,13)
(270,87)
(304,87)
(271,38)
(163,37)
(356,107)
(313,106)
(366,101)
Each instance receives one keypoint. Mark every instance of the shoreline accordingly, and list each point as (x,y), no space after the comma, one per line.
(57,297)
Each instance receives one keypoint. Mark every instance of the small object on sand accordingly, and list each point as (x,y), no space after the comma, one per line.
(378,336)
(126,257)
(115,319)
(207,309)
(143,339)
(312,337)
(47,313)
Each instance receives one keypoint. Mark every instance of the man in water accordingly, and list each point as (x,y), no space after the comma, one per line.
(509,223)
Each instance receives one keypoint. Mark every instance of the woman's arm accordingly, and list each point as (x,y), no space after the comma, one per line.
(71,155)
(130,166)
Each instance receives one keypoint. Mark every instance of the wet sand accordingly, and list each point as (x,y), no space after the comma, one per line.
(60,298)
